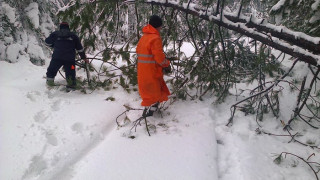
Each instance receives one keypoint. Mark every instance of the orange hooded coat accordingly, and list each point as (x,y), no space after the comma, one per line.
(151,60)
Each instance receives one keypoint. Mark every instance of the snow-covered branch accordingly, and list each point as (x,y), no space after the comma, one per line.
(299,45)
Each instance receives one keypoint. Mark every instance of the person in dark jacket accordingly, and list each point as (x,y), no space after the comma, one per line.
(64,44)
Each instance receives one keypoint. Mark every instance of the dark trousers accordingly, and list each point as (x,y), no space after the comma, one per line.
(69,67)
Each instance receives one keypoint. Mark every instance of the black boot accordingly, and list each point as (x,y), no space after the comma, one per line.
(148,111)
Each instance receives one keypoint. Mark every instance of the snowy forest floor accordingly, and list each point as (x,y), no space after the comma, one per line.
(50,134)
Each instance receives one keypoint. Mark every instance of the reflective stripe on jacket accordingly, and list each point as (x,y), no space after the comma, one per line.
(151,60)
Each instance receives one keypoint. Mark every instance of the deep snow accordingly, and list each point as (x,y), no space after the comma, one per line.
(51,134)
(54,135)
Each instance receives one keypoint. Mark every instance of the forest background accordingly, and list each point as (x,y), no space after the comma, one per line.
(257,51)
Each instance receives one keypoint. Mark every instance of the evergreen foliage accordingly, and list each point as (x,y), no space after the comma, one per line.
(111,29)
(301,16)
(221,59)
(20,22)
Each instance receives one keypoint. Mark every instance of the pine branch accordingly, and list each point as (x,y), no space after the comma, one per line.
(306,161)
(281,44)
(297,111)
(263,93)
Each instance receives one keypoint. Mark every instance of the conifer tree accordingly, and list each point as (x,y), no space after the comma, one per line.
(22,21)
(301,16)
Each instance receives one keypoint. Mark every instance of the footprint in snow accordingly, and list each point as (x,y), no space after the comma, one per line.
(50,94)
(77,127)
(33,95)
(56,105)
(51,138)
(36,167)
(41,116)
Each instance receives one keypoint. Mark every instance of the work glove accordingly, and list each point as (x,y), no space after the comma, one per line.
(166,70)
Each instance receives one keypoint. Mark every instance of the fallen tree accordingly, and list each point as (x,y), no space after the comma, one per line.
(296,44)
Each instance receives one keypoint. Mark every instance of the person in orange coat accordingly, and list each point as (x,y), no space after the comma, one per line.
(151,62)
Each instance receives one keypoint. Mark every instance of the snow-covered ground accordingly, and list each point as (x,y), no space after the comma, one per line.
(54,135)
(51,134)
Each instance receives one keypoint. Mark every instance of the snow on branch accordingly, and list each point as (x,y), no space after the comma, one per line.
(297,38)
(296,44)
(279,5)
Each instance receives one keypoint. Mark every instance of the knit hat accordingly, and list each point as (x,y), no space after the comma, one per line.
(155,21)
(64,25)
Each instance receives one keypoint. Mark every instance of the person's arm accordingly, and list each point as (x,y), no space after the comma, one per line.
(80,49)
(157,51)
(49,41)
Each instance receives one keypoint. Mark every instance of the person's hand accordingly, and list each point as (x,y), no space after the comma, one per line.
(86,60)
(172,58)
(166,70)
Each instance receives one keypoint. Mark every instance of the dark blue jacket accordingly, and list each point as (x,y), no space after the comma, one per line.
(65,44)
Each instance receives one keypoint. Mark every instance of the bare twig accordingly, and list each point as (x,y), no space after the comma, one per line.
(127,110)
(138,122)
(306,161)
(306,97)
(264,92)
